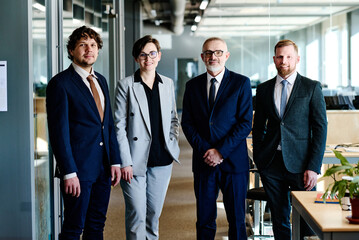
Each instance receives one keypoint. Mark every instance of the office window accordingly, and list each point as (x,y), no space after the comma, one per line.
(312,60)
(343,51)
(355,59)
(272,71)
(331,62)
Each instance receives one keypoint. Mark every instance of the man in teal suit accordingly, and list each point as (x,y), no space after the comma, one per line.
(289,135)
(216,119)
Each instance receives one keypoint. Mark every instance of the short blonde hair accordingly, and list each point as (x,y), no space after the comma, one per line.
(285,42)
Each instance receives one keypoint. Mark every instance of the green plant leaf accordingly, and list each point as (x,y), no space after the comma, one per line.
(341,187)
(342,159)
(355,180)
(335,169)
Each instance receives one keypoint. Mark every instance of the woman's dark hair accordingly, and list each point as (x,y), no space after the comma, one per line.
(141,43)
(82,32)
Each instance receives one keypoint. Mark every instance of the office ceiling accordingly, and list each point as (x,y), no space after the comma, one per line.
(242,17)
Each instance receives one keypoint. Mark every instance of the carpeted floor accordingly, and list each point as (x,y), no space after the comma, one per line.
(178,217)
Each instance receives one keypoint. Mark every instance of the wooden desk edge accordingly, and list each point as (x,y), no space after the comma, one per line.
(308,216)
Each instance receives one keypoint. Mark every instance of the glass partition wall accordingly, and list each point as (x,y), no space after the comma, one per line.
(42,171)
(326,32)
(91,13)
(52,23)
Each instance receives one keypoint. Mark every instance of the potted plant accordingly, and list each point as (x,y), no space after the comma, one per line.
(348,184)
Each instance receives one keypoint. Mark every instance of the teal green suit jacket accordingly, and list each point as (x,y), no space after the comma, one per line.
(302,131)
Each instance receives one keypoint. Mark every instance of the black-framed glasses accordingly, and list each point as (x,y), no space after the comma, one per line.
(209,53)
(152,54)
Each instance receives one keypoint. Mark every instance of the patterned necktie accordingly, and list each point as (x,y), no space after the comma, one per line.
(96,96)
(283,99)
(212,91)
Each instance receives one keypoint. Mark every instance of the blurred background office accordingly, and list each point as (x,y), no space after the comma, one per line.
(33,35)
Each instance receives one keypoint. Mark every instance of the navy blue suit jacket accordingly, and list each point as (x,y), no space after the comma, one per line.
(225,127)
(78,138)
(302,131)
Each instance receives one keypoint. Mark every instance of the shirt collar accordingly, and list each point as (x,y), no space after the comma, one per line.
(219,77)
(290,79)
(139,79)
(82,72)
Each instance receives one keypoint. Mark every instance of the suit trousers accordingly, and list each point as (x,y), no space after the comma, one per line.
(86,213)
(234,190)
(278,182)
(144,199)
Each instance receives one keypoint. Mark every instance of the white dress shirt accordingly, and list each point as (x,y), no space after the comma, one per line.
(278,92)
(84,74)
(218,78)
(278,89)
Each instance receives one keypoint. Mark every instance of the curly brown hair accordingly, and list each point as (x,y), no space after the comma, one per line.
(82,32)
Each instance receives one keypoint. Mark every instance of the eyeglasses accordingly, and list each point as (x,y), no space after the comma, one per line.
(209,53)
(152,54)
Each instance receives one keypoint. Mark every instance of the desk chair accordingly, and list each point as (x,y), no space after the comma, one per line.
(259,197)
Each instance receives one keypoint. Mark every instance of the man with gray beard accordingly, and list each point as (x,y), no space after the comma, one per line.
(216,119)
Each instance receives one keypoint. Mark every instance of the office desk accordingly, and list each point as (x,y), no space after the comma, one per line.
(327,220)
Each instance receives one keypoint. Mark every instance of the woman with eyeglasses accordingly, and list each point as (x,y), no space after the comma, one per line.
(147,130)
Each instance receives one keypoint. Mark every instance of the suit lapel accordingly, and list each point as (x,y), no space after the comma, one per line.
(202,86)
(271,87)
(293,93)
(165,103)
(141,97)
(223,85)
(84,90)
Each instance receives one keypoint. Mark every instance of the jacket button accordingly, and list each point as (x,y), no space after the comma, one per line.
(282,124)
(103,127)
(132,114)
(101,143)
(135,138)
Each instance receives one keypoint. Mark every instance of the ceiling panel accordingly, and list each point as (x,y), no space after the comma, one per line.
(300,11)
(267,17)
(266,21)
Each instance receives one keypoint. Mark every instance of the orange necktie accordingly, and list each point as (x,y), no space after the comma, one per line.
(96,96)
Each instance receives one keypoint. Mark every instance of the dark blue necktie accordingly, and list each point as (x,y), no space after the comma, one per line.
(212,91)
(283,99)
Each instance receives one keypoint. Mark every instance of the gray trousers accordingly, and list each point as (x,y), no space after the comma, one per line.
(144,198)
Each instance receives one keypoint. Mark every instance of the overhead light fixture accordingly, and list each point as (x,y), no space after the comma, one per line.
(194,28)
(203,4)
(197,19)
(153,13)
(76,21)
(40,7)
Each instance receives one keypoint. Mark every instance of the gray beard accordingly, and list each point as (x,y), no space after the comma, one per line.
(214,69)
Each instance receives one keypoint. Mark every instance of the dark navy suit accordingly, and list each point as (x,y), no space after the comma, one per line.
(302,133)
(82,145)
(224,128)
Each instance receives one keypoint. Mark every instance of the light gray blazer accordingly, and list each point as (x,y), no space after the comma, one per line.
(132,122)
